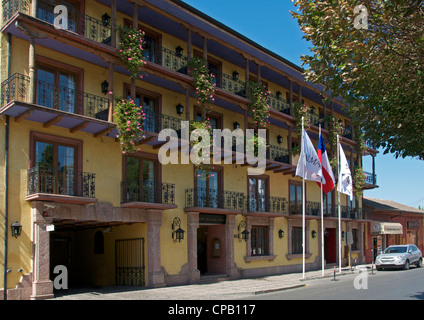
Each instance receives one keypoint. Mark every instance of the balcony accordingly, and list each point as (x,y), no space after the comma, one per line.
(279,154)
(313,209)
(81,24)
(370,179)
(267,206)
(55,105)
(64,185)
(213,200)
(147,194)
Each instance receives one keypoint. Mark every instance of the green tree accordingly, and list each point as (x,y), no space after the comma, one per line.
(376,67)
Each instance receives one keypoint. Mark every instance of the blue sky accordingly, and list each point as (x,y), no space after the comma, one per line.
(270,24)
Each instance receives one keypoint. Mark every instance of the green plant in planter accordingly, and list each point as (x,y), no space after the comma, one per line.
(203,83)
(131,51)
(202,167)
(253,144)
(129,120)
(358,181)
(259,107)
(300,110)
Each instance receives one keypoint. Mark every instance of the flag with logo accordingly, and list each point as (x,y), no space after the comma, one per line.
(312,169)
(329,181)
(344,185)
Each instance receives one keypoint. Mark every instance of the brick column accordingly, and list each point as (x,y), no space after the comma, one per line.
(155,272)
(42,286)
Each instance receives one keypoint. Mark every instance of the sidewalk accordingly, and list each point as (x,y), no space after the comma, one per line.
(222,290)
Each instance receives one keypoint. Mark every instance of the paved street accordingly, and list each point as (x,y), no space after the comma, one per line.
(383,285)
(223,290)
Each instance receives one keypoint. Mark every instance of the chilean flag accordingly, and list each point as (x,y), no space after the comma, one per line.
(327,172)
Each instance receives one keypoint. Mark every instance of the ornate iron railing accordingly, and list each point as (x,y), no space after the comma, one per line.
(370,178)
(267,204)
(71,100)
(15,88)
(64,182)
(213,198)
(10,7)
(231,84)
(155,122)
(278,103)
(280,154)
(147,191)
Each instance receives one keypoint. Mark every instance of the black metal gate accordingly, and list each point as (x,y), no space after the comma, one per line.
(129,262)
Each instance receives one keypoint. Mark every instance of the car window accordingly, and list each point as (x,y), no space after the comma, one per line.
(395,250)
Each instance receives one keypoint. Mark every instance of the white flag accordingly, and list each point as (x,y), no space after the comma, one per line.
(344,184)
(313,170)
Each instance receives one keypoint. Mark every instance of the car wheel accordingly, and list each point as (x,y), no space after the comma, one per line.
(420,263)
(406,266)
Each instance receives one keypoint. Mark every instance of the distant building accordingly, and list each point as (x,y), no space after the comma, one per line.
(392,223)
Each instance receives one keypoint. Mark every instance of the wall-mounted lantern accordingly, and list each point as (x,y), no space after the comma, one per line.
(281,234)
(280,139)
(179,51)
(180,109)
(106,19)
(105,87)
(16,229)
(314,234)
(242,235)
(177,232)
(236,125)
(235,75)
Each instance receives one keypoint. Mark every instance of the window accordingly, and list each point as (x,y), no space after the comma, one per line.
(208,188)
(328,203)
(295,189)
(141,180)
(56,164)
(56,89)
(150,103)
(45,12)
(296,240)
(259,241)
(258,189)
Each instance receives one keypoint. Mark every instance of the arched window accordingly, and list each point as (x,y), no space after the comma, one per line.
(99,243)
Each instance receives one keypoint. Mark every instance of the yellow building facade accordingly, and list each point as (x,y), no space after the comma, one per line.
(114,219)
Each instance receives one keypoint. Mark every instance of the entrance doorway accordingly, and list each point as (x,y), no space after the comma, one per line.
(211,255)
(330,248)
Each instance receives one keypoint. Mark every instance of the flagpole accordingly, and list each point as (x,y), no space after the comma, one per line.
(303,204)
(322,217)
(338,195)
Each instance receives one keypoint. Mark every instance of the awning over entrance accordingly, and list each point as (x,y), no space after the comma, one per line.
(386,227)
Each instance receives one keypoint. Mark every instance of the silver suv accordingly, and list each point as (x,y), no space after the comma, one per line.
(399,256)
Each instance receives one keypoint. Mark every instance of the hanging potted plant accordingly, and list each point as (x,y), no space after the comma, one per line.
(300,110)
(129,121)
(203,83)
(259,107)
(131,51)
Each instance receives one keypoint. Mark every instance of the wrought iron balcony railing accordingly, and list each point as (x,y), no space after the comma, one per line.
(56,97)
(370,178)
(147,191)
(63,182)
(277,153)
(71,100)
(10,7)
(267,204)
(155,122)
(82,24)
(278,103)
(313,208)
(213,198)
(15,88)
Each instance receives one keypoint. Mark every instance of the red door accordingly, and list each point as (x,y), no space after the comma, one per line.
(330,245)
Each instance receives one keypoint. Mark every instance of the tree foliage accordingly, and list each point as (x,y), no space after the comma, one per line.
(378,70)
